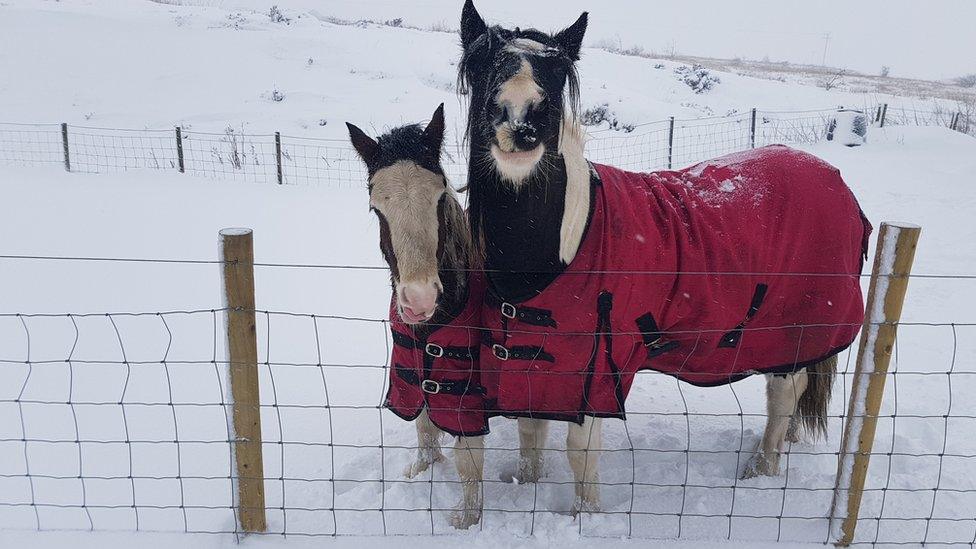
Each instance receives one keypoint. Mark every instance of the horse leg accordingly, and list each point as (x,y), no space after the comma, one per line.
(532,439)
(469,458)
(793,430)
(428,446)
(583,445)
(782,394)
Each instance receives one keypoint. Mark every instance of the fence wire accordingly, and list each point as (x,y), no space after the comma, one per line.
(238,155)
(121,421)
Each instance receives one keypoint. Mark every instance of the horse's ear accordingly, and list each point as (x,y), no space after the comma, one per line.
(472,25)
(366,146)
(570,39)
(434,132)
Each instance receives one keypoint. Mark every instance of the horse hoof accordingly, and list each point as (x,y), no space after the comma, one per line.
(462,519)
(528,476)
(585,506)
(529,471)
(760,466)
(422,465)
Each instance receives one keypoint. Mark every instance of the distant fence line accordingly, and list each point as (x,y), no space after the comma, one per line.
(283,159)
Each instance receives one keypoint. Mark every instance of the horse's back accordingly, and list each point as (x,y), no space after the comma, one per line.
(738,212)
(761,240)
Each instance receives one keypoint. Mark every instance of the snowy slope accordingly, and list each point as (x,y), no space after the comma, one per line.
(156,66)
(863,35)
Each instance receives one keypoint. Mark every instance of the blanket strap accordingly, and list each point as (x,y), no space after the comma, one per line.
(517,352)
(653,336)
(731,339)
(431,387)
(434,350)
(529,315)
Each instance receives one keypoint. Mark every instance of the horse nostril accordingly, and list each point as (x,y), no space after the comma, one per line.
(526,137)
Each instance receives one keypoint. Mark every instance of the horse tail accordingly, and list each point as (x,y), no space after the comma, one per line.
(812,406)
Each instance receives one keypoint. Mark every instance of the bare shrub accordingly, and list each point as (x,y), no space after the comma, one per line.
(594,116)
(966,81)
(697,77)
(277,17)
(833,79)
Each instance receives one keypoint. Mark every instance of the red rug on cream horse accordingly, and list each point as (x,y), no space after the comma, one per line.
(710,274)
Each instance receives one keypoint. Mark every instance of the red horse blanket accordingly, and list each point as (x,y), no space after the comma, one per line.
(437,368)
(744,264)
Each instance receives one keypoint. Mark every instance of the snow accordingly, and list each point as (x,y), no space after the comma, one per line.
(191,66)
(146,214)
(136,65)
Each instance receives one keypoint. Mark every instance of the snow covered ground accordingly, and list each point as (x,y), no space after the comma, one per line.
(150,65)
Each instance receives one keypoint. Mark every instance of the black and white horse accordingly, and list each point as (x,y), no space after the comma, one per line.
(529,206)
(425,240)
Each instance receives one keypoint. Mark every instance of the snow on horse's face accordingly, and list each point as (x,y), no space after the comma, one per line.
(407,191)
(518,80)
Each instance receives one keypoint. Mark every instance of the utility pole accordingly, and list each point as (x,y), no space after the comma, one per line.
(826,38)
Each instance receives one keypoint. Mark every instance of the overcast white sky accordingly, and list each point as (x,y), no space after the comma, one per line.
(927,39)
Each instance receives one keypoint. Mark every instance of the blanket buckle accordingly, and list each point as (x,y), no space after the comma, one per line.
(501,353)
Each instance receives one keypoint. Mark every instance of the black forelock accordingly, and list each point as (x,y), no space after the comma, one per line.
(536,35)
(406,143)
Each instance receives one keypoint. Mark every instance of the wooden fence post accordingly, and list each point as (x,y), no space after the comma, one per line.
(64,141)
(752,130)
(237,247)
(179,149)
(671,143)
(955,121)
(278,154)
(884,114)
(886,296)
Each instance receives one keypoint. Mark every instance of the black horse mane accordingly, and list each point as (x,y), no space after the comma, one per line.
(406,143)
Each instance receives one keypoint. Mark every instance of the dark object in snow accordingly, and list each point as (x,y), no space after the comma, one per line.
(697,77)
(277,96)
(277,17)
(848,127)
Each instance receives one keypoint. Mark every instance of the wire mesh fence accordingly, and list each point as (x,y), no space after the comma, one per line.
(31,144)
(237,155)
(122,421)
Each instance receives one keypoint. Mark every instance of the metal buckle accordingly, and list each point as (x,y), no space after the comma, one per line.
(430,386)
(508,310)
(501,353)
(653,343)
(434,350)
